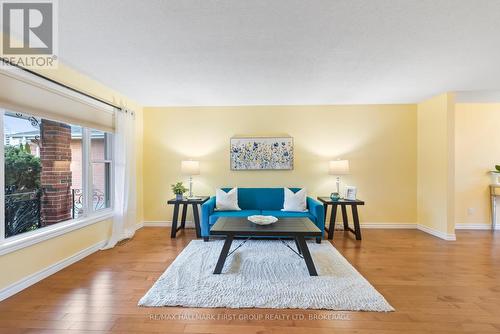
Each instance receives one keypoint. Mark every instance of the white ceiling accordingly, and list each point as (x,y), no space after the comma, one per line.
(263,52)
(489,96)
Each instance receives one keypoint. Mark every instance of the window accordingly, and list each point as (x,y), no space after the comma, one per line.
(46,177)
(77,177)
(100,152)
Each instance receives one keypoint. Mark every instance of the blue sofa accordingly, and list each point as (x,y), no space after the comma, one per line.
(260,201)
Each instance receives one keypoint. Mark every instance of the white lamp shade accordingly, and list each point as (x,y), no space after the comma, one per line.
(338,167)
(190,167)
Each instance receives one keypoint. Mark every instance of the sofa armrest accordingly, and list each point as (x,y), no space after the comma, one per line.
(207,209)
(318,211)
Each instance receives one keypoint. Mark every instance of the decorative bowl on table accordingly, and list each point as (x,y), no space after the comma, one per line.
(262,220)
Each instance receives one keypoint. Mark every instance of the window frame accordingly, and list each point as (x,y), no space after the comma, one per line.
(109,140)
(89,217)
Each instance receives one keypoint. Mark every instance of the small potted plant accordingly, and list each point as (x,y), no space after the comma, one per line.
(495,175)
(178,189)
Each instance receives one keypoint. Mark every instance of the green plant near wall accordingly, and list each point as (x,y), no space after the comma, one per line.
(178,188)
(22,169)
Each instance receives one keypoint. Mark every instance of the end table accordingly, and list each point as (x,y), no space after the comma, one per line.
(343,203)
(494,193)
(186,202)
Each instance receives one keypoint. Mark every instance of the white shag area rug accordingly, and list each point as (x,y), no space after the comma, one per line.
(263,274)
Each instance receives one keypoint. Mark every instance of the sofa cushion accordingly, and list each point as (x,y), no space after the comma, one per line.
(295,201)
(243,213)
(226,200)
(288,214)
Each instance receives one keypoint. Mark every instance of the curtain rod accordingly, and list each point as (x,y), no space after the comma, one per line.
(59,83)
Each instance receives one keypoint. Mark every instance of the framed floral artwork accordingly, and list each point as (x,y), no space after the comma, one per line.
(261,153)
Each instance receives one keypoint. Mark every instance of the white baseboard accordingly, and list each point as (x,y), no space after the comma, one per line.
(437,233)
(460,226)
(339,226)
(411,226)
(383,226)
(50,270)
(162,223)
(389,225)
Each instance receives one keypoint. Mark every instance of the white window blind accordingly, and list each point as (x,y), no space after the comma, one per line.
(20,90)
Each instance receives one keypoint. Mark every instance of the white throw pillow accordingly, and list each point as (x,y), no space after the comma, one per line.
(226,201)
(295,201)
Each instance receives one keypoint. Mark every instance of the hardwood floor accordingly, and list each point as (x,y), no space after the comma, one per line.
(435,286)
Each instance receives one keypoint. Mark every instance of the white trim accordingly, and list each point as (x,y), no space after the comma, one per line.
(464,226)
(86,170)
(431,231)
(30,238)
(437,233)
(50,270)
(402,226)
(109,145)
(2,179)
(383,226)
(88,180)
(338,225)
(163,223)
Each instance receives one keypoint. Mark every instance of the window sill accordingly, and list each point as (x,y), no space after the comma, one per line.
(31,238)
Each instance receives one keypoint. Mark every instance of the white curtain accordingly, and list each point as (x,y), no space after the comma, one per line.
(124,219)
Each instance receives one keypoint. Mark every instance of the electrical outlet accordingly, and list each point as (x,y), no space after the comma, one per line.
(471,211)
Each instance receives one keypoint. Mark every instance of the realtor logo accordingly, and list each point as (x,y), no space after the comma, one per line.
(29,32)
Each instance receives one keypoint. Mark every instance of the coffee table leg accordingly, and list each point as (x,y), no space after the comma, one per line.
(174,220)
(223,254)
(298,246)
(307,256)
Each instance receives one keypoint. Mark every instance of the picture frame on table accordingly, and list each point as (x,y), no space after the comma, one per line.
(351,193)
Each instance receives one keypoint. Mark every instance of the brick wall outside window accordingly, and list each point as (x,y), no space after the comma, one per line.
(56,176)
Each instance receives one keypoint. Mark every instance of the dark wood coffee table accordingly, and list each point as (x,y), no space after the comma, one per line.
(298,228)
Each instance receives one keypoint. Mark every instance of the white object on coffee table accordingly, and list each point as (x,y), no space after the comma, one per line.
(262,220)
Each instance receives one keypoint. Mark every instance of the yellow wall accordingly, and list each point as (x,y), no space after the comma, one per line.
(29,260)
(477,152)
(435,186)
(34,258)
(379,141)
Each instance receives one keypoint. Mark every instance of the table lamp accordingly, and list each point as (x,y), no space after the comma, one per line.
(338,168)
(190,167)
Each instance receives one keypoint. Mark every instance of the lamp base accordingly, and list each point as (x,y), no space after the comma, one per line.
(339,196)
(335,197)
